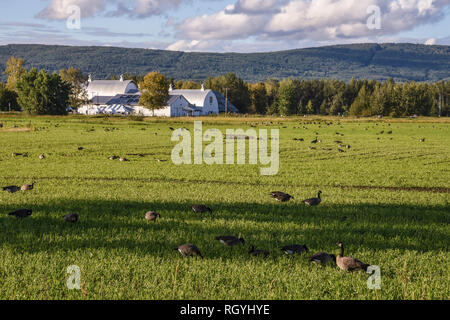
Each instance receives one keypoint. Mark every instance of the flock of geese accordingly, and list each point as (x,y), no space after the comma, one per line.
(323,258)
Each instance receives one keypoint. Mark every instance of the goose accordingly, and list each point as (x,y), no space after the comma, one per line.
(152,216)
(27,187)
(422,140)
(313,201)
(123,160)
(341,151)
(294,249)
(281,196)
(22,213)
(315,140)
(113,158)
(11,189)
(230,241)
(349,263)
(42,156)
(256,253)
(201,209)
(80,148)
(189,250)
(71,217)
(322,258)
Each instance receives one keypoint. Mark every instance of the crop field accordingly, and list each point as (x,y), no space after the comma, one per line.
(386,198)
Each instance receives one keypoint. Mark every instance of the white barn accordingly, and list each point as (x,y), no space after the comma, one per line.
(125,94)
(110,88)
(204,101)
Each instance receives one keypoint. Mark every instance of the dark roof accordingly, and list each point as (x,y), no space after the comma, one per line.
(221,100)
(173,98)
(101,99)
(125,99)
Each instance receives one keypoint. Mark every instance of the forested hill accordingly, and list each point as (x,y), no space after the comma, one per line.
(372,61)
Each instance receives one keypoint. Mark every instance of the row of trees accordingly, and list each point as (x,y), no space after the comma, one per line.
(331,97)
(39,92)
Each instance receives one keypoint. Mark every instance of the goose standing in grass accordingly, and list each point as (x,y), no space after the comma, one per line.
(294,249)
(200,208)
(322,258)
(230,241)
(27,187)
(152,216)
(349,263)
(123,160)
(281,196)
(71,217)
(11,189)
(189,250)
(253,252)
(42,156)
(21,214)
(314,201)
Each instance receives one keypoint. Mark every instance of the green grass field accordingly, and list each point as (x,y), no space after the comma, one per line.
(386,198)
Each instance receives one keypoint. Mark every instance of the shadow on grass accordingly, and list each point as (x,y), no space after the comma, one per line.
(120,225)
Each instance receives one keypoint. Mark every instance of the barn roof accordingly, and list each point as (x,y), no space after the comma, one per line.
(111,87)
(195,97)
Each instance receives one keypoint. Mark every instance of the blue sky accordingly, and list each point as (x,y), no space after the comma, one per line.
(224,25)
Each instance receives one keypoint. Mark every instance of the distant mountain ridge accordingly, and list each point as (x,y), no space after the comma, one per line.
(402,62)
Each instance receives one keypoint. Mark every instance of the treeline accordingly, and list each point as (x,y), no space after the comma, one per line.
(326,97)
(39,92)
(331,97)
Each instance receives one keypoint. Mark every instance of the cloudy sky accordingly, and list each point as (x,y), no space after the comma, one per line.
(223,25)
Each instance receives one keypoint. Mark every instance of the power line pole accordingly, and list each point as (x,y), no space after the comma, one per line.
(226,101)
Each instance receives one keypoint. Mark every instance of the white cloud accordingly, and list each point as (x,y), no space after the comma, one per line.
(318,20)
(57,9)
(430,42)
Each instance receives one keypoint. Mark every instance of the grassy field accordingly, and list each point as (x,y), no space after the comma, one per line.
(386,198)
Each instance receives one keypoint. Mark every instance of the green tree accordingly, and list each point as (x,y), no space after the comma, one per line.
(238,92)
(154,91)
(78,84)
(287,102)
(8,99)
(15,71)
(310,107)
(42,93)
(361,105)
(258,96)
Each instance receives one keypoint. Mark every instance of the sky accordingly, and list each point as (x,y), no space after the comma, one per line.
(223,25)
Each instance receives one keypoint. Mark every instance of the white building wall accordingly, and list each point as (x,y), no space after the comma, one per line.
(210,105)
